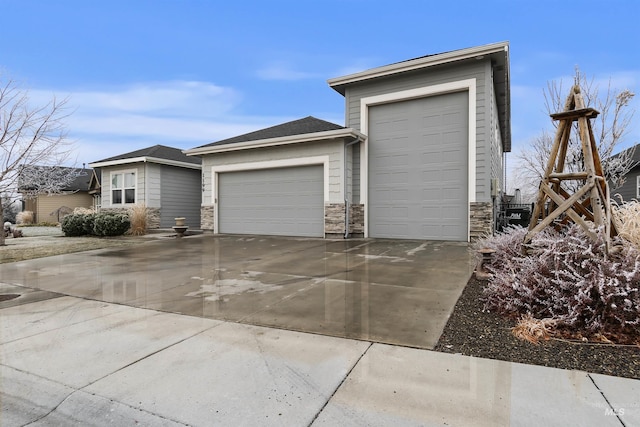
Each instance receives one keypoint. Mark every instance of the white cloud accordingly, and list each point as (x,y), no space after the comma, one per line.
(182,114)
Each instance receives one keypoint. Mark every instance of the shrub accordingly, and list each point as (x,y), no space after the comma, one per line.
(140,218)
(88,222)
(568,278)
(626,217)
(73,225)
(25,217)
(83,211)
(111,224)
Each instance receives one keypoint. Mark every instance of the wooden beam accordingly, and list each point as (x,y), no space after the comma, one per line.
(573,115)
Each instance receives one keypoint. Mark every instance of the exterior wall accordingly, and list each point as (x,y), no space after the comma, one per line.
(153,185)
(481,219)
(180,190)
(497,164)
(334,220)
(629,189)
(45,208)
(479,70)
(333,150)
(488,139)
(141,190)
(206,219)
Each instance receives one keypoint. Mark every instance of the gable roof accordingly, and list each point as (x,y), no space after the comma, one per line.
(305,125)
(307,129)
(79,183)
(635,157)
(497,53)
(155,154)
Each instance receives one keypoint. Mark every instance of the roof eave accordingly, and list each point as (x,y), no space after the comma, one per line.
(146,159)
(270,142)
(339,83)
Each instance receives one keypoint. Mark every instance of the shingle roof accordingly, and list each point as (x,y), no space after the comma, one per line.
(302,126)
(157,151)
(79,183)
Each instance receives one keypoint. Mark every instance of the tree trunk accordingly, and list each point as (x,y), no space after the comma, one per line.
(2,243)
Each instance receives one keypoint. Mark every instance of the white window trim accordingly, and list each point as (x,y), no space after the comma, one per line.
(123,171)
(267,164)
(468,85)
(638,187)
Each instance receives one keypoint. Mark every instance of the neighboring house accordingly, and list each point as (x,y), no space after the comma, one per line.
(630,189)
(160,177)
(53,207)
(421,157)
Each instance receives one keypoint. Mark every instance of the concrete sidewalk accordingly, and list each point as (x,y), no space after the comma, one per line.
(71,361)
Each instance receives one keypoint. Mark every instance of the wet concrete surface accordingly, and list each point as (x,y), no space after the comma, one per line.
(72,361)
(396,292)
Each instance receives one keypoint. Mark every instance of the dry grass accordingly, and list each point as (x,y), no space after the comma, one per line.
(140,218)
(39,247)
(83,211)
(626,217)
(533,330)
(24,217)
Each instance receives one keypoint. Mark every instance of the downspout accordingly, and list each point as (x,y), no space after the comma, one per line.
(346,199)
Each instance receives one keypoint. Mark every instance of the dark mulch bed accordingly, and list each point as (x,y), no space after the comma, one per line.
(474,332)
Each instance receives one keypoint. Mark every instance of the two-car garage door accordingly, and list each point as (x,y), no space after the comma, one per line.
(281,201)
(418,168)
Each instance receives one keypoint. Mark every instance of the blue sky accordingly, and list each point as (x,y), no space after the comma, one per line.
(186,73)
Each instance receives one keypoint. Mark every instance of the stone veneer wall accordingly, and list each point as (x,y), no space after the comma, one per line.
(334,220)
(356,220)
(154,223)
(481,219)
(206,219)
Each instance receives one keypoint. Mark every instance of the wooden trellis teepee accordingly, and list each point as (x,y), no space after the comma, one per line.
(590,203)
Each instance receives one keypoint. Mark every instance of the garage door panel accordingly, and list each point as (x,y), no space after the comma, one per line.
(424,176)
(282,201)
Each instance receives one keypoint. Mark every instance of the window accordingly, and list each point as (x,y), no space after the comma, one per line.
(638,187)
(123,188)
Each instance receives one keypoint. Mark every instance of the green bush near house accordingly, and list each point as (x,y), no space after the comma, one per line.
(101,224)
(111,224)
(73,225)
(88,222)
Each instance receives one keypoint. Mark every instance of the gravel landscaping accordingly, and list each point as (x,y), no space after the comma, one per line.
(472,331)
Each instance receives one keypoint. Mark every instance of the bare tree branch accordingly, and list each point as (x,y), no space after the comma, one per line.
(34,145)
(610,128)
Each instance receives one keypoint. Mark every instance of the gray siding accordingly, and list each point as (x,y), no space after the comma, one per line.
(153,195)
(180,190)
(629,190)
(480,70)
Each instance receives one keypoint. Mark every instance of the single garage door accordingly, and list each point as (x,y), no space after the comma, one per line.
(282,202)
(418,174)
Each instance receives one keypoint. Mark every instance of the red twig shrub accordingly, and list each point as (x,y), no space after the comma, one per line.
(566,277)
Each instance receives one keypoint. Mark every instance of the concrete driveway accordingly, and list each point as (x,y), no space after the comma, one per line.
(395,292)
(78,346)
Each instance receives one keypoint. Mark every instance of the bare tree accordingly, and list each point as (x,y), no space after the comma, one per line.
(610,129)
(32,136)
